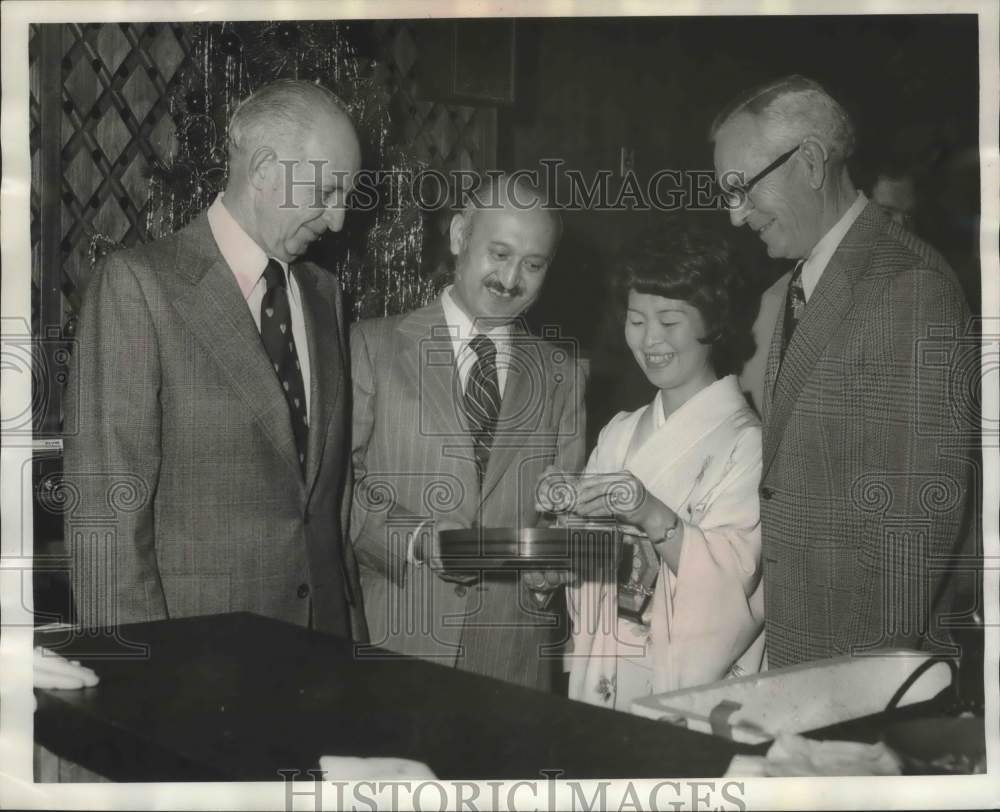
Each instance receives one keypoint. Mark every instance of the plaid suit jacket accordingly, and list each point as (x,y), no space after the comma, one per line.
(185,494)
(414,461)
(866,468)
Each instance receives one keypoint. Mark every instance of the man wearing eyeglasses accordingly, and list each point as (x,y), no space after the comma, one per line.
(865,477)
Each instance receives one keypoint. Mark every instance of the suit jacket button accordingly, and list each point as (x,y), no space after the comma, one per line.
(460,590)
(766,492)
(303,591)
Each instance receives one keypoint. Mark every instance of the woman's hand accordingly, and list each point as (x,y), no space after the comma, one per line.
(622,496)
(555,491)
(431,537)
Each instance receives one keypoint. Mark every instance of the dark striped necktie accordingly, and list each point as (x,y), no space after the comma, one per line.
(276,333)
(482,400)
(795,303)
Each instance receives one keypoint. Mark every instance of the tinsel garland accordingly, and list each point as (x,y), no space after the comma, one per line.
(378,257)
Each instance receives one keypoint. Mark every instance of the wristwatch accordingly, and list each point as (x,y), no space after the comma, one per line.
(671,532)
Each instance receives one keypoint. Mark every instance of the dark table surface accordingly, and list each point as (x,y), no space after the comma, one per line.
(239,697)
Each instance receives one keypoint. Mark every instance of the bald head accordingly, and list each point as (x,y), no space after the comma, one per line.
(281,113)
(293,158)
(784,147)
(503,242)
(788,111)
(502,190)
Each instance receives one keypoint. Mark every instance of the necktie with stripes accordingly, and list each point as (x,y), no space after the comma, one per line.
(795,303)
(276,333)
(482,400)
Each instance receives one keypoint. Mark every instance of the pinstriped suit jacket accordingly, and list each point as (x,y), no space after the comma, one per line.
(413,461)
(173,395)
(866,471)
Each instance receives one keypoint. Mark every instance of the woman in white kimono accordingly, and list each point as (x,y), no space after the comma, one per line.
(683,473)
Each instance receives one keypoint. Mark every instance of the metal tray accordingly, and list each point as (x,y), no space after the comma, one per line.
(550,548)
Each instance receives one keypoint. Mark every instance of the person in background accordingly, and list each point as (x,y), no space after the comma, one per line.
(895,190)
(681,474)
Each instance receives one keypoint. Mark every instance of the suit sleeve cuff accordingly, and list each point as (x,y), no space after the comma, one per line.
(420,533)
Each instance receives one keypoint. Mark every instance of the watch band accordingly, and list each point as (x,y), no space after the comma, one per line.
(671,532)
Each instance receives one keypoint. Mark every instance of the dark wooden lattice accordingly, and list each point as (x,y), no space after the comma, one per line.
(116,122)
(100,117)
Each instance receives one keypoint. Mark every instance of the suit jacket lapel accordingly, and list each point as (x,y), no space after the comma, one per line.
(217,315)
(327,362)
(827,307)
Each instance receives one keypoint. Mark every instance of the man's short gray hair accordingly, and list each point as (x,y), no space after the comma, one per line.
(794,108)
(279,111)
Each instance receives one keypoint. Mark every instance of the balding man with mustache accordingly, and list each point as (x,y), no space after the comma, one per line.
(457,412)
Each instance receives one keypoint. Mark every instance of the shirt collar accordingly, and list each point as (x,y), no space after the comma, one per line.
(244,257)
(461,327)
(820,256)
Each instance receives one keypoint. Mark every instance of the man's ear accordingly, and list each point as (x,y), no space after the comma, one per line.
(261,168)
(456,233)
(815,155)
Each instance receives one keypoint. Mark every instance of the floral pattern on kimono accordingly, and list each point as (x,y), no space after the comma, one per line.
(706,622)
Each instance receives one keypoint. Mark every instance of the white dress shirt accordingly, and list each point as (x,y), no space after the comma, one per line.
(247,261)
(819,257)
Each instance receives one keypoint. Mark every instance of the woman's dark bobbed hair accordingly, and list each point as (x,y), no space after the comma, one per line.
(690,258)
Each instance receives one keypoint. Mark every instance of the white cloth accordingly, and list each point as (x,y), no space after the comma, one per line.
(462,331)
(247,261)
(792,755)
(353,768)
(703,462)
(819,257)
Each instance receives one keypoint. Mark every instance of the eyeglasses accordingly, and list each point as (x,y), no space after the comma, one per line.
(737,194)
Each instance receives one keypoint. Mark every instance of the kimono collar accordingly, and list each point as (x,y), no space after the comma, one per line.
(717,400)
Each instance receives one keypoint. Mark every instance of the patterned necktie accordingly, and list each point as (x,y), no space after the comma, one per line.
(482,400)
(276,333)
(795,303)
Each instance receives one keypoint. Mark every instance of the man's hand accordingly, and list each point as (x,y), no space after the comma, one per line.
(547,581)
(432,536)
(542,586)
(53,672)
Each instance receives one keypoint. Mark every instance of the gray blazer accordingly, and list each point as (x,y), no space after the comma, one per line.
(866,435)
(413,461)
(184,492)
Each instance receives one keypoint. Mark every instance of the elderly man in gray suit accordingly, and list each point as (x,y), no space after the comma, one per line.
(210,394)
(866,472)
(457,412)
